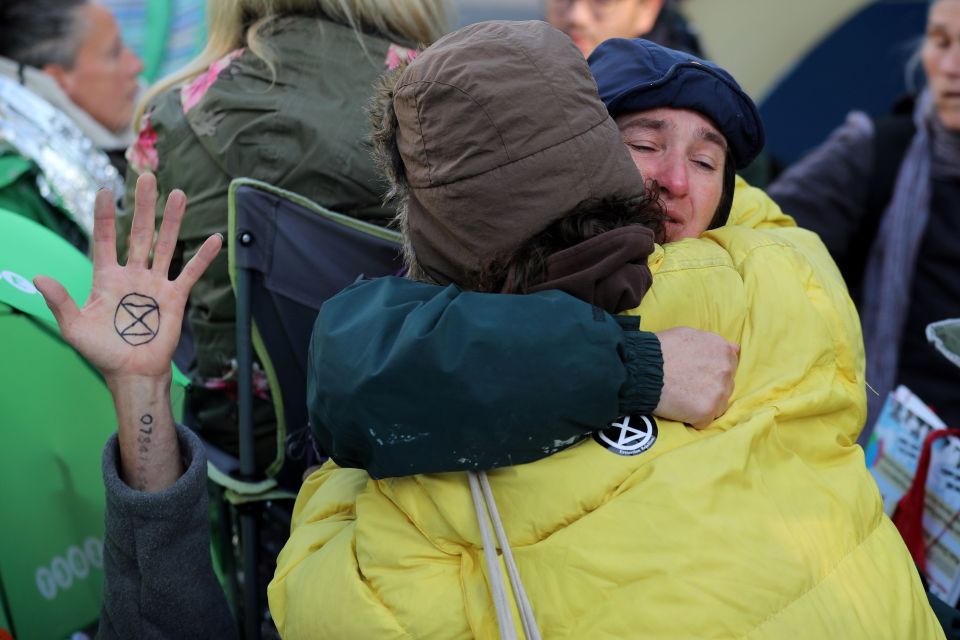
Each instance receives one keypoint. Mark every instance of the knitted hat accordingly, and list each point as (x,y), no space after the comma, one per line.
(637,75)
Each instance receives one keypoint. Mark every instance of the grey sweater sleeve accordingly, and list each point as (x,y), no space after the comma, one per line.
(159,580)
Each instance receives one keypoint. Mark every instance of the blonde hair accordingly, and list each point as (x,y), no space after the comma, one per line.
(236,23)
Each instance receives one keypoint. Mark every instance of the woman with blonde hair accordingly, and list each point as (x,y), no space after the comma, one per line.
(278,94)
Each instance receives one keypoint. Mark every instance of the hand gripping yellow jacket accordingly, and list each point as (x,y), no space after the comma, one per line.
(766,525)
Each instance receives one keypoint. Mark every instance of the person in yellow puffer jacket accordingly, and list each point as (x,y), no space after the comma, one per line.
(765,525)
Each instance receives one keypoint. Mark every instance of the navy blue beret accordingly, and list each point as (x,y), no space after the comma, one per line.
(636,75)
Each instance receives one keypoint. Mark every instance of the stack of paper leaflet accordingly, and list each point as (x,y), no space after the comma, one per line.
(892,456)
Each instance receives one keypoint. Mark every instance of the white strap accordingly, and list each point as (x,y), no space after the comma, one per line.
(530,628)
(500,604)
(486,506)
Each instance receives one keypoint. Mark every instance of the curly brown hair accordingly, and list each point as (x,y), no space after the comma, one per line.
(527,266)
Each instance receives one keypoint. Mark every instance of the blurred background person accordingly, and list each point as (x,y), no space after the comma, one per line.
(279,95)
(70,53)
(590,22)
(62,60)
(807,64)
(884,194)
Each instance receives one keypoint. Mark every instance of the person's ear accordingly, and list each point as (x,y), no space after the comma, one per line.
(647,16)
(63,76)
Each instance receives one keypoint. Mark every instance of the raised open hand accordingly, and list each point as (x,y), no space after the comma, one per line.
(130,324)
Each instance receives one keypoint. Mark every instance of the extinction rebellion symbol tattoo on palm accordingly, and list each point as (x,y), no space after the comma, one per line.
(137,319)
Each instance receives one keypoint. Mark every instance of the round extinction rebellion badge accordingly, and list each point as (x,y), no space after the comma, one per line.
(628,436)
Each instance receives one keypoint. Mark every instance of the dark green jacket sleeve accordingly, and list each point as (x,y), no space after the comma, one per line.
(406,377)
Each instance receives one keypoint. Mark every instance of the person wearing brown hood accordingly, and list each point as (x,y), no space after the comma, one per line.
(512,178)
(481,175)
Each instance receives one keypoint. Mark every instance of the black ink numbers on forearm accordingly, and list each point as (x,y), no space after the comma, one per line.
(143,449)
(137,319)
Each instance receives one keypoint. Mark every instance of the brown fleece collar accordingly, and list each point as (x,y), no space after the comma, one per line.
(609,270)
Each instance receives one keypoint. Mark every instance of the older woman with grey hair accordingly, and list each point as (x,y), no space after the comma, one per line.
(67,92)
(884,195)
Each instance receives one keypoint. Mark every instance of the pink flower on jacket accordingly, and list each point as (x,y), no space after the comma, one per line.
(193,92)
(397,55)
(142,154)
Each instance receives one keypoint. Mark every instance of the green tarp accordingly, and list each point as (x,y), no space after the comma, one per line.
(55,415)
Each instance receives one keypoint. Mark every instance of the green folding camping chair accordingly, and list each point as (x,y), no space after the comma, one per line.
(56,413)
(287,255)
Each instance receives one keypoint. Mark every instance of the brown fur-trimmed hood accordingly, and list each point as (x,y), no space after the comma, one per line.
(488,137)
